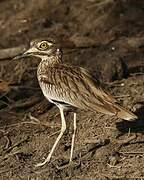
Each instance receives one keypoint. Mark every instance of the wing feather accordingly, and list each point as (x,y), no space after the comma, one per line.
(77,87)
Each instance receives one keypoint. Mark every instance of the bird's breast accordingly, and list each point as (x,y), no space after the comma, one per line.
(50,91)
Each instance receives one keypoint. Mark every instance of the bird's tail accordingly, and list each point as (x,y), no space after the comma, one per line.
(125,114)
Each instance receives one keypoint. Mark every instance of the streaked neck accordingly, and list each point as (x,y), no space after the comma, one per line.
(48,62)
(51,60)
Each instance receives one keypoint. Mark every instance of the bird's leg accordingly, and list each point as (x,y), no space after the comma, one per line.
(63,128)
(73,138)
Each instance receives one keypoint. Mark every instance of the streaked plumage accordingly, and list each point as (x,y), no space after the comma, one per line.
(76,87)
(66,85)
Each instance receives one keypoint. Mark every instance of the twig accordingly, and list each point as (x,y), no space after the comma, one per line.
(11,52)
(125,141)
(24,87)
(4,171)
(34,120)
(3,102)
(137,74)
(39,123)
(112,177)
(113,166)
(53,134)
(100,4)
(5,135)
(12,147)
(121,152)
(31,101)
(17,144)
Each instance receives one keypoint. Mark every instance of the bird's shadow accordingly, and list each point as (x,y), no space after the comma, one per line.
(136,126)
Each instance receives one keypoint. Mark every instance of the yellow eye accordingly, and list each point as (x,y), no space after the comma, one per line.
(43,46)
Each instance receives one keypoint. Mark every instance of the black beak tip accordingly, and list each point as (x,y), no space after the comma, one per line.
(15,58)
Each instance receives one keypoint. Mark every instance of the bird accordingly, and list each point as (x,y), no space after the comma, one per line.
(69,86)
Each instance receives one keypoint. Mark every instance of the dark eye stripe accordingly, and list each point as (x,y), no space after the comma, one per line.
(40,53)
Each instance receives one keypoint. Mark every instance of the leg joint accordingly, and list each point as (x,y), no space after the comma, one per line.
(63,129)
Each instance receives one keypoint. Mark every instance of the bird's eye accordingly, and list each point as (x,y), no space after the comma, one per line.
(43,46)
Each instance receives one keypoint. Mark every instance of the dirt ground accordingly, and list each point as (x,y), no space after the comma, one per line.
(106,37)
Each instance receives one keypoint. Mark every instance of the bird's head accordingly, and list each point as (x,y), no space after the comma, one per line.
(42,48)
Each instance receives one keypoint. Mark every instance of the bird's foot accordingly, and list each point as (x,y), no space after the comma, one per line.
(43,163)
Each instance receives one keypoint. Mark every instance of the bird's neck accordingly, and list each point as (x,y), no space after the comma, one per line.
(53,59)
(49,62)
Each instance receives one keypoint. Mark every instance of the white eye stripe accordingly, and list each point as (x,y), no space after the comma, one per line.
(50,44)
(31,50)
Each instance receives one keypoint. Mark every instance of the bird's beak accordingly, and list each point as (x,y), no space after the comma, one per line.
(25,54)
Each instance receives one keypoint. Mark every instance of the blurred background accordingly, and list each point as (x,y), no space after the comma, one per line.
(104,36)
